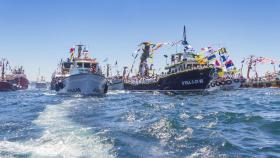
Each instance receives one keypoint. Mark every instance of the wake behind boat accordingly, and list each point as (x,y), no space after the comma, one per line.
(85,76)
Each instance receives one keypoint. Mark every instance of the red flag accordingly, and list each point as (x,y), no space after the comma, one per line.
(217,63)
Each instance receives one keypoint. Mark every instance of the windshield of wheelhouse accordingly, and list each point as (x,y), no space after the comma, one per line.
(79,65)
(67,65)
(86,65)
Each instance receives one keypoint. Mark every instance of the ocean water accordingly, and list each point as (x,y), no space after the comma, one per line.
(242,123)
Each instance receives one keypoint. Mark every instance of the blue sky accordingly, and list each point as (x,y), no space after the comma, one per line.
(38,33)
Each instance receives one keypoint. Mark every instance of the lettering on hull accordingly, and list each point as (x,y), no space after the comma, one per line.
(192,82)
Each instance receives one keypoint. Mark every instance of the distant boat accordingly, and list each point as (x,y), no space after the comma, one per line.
(270,79)
(85,76)
(115,82)
(60,74)
(15,80)
(41,82)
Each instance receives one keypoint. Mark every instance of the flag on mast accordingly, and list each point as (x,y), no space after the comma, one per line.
(72,52)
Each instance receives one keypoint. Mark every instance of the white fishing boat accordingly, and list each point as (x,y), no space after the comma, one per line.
(115,80)
(85,77)
(41,82)
(115,83)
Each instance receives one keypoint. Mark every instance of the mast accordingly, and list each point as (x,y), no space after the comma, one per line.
(124,72)
(255,69)
(39,75)
(80,48)
(3,69)
(143,67)
(185,42)
(249,67)
(108,70)
(241,69)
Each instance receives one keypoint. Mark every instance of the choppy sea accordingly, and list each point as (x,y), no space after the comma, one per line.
(242,123)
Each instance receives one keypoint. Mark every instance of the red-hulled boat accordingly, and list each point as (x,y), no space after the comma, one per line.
(6,86)
(16,80)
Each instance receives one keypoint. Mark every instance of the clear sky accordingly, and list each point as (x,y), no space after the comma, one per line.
(38,33)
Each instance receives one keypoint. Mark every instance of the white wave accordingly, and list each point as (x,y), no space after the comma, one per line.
(117,92)
(187,134)
(61,137)
(204,152)
(199,117)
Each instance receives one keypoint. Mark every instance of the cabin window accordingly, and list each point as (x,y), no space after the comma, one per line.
(80,64)
(67,65)
(86,65)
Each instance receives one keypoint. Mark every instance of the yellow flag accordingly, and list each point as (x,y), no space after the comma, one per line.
(221,73)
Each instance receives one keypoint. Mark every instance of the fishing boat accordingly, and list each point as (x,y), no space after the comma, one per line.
(60,74)
(19,78)
(184,73)
(41,82)
(85,76)
(270,79)
(115,81)
(14,80)
(4,84)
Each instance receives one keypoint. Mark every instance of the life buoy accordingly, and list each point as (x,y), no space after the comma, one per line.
(217,83)
(236,80)
(222,82)
(228,82)
(212,84)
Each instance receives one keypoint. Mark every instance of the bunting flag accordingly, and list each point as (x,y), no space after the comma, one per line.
(72,51)
(234,70)
(200,60)
(138,50)
(224,58)
(222,51)
(151,58)
(105,60)
(157,46)
(174,43)
(221,73)
(211,57)
(217,63)
(229,64)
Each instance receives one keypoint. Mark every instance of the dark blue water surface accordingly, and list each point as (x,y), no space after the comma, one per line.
(242,123)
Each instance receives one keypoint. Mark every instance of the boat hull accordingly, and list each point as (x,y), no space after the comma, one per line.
(228,84)
(40,85)
(6,86)
(261,84)
(85,84)
(116,85)
(191,80)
